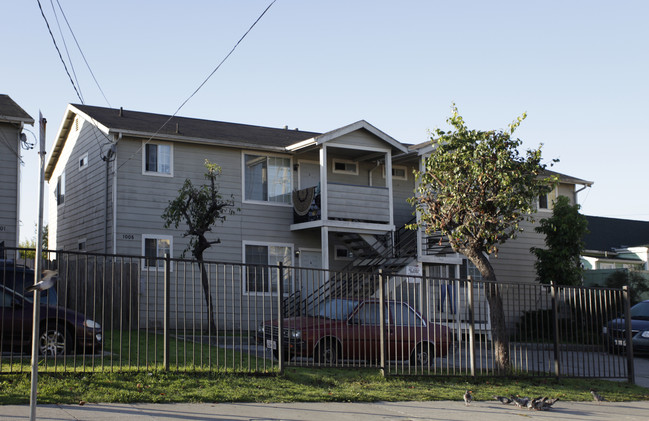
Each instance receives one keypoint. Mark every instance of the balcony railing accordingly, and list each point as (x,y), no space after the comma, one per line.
(345,202)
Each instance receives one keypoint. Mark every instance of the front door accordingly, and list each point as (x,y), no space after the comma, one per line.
(309,174)
(311,277)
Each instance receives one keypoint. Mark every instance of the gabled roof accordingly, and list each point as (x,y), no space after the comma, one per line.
(166,127)
(184,129)
(136,123)
(564,178)
(611,233)
(11,112)
(359,125)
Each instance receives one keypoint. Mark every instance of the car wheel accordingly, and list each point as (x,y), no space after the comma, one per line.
(423,355)
(54,341)
(327,352)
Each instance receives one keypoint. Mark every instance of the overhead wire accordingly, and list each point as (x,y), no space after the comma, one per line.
(82,54)
(200,86)
(58,50)
(65,46)
(79,95)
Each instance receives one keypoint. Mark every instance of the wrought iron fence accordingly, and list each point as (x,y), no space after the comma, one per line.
(113,312)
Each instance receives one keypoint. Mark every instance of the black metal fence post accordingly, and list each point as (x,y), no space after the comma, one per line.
(628,334)
(471,324)
(166,310)
(382,321)
(280,318)
(555,329)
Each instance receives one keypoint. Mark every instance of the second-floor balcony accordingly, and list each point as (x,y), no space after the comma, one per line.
(342,202)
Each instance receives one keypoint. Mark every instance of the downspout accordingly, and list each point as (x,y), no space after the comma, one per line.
(119,137)
(378,164)
(19,149)
(108,159)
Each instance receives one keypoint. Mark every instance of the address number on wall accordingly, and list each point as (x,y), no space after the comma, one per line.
(3,228)
(128,236)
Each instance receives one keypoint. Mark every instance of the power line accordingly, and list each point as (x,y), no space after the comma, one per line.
(59,51)
(201,85)
(82,55)
(65,45)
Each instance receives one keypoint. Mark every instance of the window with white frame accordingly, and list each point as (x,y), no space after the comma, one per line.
(60,189)
(261,269)
(267,179)
(399,172)
(157,159)
(344,167)
(83,162)
(543,202)
(154,248)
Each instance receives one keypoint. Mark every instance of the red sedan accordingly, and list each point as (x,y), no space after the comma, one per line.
(347,329)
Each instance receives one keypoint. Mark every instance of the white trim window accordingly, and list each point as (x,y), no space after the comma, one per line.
(342,166)
(399,172)
(157,159)
(267,179)
(261,271)
(60,189)
(83,161)
(543,203)
(154,248)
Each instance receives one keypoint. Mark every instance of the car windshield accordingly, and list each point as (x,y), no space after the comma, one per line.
(334,308)
(640,311)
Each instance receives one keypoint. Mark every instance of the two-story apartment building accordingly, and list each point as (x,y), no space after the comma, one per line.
(334,200)
(12,121)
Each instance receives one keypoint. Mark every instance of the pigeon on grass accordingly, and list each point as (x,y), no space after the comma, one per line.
(597,397)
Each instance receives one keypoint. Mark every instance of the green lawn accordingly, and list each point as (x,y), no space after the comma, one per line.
(296,384)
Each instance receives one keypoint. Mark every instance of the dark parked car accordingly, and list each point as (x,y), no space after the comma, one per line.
(19,277)
(62,331)
(615,330)
(347,329)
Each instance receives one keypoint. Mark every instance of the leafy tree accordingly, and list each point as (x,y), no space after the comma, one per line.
(638,285)
(199,208)
(32,244)
(564,239)
(475,188)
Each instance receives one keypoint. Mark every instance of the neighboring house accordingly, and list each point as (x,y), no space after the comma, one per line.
(334,200)
(614,243)
(12,121)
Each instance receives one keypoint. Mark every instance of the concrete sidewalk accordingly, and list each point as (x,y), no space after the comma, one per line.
(436,410)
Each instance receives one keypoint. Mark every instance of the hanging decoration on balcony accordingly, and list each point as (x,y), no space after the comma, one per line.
(302,200)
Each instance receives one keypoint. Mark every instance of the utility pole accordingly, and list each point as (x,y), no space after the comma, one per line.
(37,272)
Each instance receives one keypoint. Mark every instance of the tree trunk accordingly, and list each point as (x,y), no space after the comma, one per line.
(496,311)
(205,282)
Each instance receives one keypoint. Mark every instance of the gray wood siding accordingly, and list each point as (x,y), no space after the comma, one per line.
(358,202)
(9,152)
(83,212)
(514,262)
(360,138)
(402,190)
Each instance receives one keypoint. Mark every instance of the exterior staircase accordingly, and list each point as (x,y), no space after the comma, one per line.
(390,252)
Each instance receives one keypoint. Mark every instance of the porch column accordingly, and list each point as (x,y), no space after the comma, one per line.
(388,179)
(324,214)
(324,244)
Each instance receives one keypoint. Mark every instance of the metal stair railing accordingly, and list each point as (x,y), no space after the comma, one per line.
(396,255)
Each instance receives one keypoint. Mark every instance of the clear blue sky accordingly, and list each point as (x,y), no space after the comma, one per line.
(579,69)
